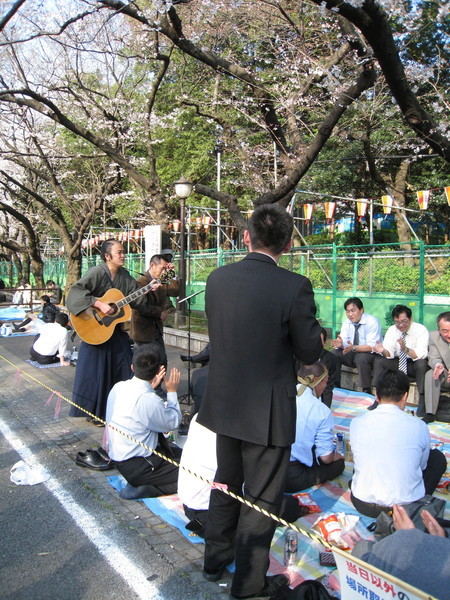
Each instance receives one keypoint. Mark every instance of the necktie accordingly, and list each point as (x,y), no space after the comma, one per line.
(403,357)
(356,336)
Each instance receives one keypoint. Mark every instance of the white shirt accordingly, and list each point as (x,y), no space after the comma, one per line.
(390,451)
(314,427)
(416,338)
(199,456)
(134,408)
(369,331)
(53,339)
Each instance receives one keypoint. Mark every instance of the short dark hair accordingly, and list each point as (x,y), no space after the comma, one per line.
(271,227)
(445,316)
(50,282)
(399,309)
(146,361)
(316,369)
(392,386)
(45,298)
(106,247)
(62,319)
(356,301)
(157,258)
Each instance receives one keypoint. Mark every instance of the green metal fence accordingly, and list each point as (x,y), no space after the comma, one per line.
(381,275)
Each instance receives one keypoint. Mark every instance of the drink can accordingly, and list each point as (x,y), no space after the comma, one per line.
(290,547)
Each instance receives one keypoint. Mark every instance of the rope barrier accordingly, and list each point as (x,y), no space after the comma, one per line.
(222,487)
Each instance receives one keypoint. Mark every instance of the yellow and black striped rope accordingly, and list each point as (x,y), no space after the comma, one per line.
(222,488)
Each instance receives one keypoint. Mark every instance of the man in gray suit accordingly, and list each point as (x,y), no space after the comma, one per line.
(438,378)
(259,317)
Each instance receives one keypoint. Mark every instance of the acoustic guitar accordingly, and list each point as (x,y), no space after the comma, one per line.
(95,327)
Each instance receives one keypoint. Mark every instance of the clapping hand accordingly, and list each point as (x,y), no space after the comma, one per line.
(173,381)
(158,377)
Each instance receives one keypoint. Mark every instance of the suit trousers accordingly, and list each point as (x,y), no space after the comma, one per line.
(41,359)
(300,477)
(363,361)
(433,388)
(152,471)
(235,530)
(416,368)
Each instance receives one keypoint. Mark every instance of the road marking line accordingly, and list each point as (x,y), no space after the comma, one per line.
(123,566)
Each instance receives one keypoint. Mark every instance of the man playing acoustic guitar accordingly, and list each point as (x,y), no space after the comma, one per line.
(97,304)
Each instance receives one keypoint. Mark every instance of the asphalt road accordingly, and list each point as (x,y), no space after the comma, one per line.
(72,537)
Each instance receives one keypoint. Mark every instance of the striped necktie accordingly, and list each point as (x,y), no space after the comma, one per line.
(356,336)
(403,357)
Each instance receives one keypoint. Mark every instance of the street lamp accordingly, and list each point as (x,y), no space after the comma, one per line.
(183,189)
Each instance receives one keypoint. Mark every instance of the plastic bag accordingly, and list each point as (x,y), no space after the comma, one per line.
(23,474)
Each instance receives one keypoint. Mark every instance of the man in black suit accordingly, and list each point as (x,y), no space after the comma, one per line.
(259,317)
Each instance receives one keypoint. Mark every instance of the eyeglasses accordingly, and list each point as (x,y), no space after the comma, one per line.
(401,322)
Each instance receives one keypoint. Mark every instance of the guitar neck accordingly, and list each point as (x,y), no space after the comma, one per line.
(137,294)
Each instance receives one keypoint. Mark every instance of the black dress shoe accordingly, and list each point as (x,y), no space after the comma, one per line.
(103,454)
(274,583)
(92,460)
(214,576)
(429,418)
(95,421)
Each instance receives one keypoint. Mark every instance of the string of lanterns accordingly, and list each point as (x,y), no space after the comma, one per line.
(387,203)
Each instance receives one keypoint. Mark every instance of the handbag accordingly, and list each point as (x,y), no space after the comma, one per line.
(435,506)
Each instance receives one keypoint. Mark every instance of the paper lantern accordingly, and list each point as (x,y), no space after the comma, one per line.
(447,194)
(361,207)
(423,197)
(387,204)
(307,212)
(329,210)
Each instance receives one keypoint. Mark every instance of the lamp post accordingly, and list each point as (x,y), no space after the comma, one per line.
(183,189)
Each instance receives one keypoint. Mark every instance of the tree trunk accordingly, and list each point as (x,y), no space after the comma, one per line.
(73,269)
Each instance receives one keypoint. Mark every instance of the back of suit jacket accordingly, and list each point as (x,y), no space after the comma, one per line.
(259,317)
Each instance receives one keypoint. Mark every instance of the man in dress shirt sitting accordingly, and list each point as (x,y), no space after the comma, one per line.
(437,380)
(393,463)
(134,408)
(405,348)
(50,344)
(353,346)
(313,457)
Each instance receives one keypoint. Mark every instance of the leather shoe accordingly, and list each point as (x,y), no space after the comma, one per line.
(429,418)
(103,454)
(274,583)
(92,460)
(215,576)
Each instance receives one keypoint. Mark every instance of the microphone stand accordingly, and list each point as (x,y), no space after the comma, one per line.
(187,397)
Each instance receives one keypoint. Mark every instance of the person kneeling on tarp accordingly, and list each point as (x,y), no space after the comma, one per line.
(50,344)
(313,457)
(135,409)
